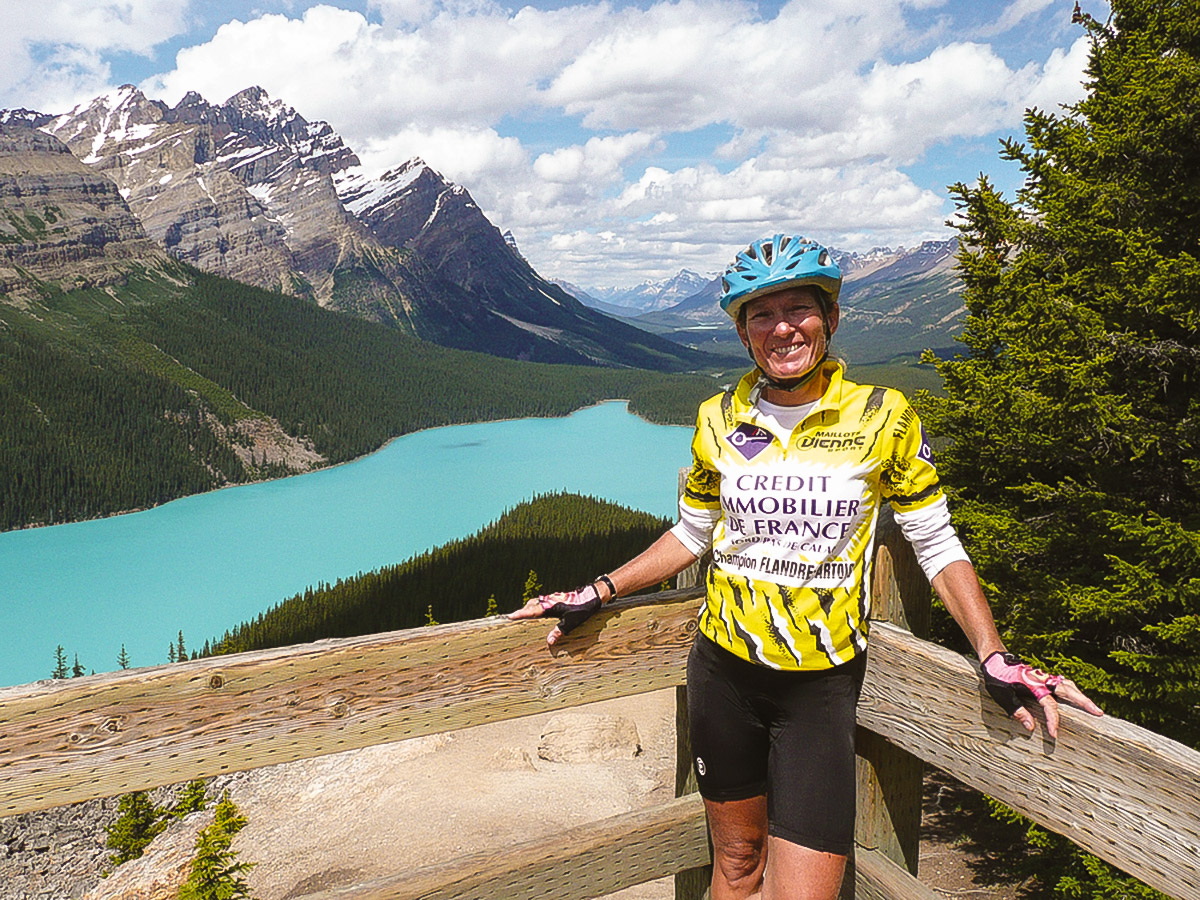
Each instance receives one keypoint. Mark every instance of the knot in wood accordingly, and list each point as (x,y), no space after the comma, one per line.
(690,626)
(340,709)
(216,680)
(99,733)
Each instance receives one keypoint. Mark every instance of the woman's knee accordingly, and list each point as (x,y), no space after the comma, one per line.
(740,860)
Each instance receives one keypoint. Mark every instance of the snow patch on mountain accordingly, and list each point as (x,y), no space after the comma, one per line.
(648,296)
(359,192)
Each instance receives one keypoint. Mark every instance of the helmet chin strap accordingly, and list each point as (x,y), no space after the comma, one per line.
(788,385)
(793,384)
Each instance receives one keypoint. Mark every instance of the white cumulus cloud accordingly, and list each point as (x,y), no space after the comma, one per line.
(617,141)
(55,51)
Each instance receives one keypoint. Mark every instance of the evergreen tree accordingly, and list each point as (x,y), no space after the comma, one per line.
(60,663)
(138,822)
(192,798)
(533,586)
(216,873)
(492,608)
(565,536)
(1072,424)
(180,649)
(123,658)
(171,652)
(77,670)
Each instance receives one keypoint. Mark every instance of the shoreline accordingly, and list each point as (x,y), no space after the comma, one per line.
(333,465)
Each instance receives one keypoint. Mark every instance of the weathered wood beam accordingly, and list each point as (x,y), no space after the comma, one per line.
(575,864)
(1127,795)
(75,739)
(890,780)
(876,877)
(596,859)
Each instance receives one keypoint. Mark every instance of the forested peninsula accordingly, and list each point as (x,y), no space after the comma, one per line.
(177,382)
(553,542)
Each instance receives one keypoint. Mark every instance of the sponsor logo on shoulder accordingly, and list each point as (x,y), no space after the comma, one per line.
(926,452)
(749,440)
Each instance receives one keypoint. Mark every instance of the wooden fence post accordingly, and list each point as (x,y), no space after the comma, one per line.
(889,778)
(692,884)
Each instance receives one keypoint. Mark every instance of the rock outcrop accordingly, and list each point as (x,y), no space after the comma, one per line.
(60,221)
(174,180)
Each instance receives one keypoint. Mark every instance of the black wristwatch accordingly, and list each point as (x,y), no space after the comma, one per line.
(612,588)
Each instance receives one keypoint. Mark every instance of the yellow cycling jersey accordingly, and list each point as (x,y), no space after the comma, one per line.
(790,582)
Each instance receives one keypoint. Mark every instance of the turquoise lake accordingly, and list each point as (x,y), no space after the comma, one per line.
(204,563)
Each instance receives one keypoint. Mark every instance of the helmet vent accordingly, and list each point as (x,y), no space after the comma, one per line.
(782,261)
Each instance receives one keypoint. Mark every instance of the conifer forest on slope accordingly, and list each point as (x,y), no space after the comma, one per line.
(112,400)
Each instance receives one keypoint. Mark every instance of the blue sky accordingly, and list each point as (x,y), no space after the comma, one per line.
(617,141)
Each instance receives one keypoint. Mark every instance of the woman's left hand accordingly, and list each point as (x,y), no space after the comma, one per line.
(1011,682)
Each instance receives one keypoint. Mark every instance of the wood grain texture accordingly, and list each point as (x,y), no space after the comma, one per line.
(889,779)
(595,859)
(876,877)
(75,739)
(578,863)
(1127,795)
(1124,793)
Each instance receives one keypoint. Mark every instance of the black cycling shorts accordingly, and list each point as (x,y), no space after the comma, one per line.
(789,735)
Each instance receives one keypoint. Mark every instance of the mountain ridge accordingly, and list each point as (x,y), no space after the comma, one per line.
(250,190)
(893,302)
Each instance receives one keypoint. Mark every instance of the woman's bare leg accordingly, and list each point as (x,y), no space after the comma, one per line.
(739,836)
(801,873)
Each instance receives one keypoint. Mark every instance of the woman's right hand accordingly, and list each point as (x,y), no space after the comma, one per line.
(572,608)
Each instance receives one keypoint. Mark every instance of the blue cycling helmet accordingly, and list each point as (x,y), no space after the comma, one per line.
(773,264)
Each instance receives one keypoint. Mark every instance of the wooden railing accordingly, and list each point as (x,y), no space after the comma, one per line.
(1125,794)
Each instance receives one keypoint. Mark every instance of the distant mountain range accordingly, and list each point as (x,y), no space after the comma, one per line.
(645,297)
(893,303)
(250,190)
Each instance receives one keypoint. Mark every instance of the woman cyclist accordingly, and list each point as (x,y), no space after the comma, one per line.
(789,469)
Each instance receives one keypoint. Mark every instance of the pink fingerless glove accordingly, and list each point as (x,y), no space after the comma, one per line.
(572,608)
(1010,681)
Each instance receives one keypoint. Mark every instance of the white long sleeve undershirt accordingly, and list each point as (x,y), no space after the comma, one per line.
(928,529)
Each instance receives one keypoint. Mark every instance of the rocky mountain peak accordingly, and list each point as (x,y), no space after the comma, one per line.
(25,117)
(116,117)
(362,194)
(251,190)
(194,109)
(252,119)
(253,110)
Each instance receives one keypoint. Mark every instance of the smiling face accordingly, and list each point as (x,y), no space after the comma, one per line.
(787,334)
